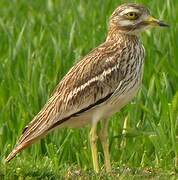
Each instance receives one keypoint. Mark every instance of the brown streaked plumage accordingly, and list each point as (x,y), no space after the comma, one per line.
(99,85)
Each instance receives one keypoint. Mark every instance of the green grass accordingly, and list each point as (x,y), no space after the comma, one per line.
(39,42)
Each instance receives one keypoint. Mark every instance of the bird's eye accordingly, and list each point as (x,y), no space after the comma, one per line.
(132,16)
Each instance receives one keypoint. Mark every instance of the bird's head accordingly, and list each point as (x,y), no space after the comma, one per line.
(133,18)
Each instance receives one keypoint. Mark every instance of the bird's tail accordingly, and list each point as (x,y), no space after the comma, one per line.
(34,131)
(17,149)
(27,138)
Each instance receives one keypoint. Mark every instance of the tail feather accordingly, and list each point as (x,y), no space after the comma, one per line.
(23,145)
(35,130)
(16,150)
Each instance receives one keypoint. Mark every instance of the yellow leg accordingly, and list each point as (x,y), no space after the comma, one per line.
(93,141)
(104,141)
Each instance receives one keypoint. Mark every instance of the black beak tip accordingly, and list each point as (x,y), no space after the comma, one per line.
(163,24)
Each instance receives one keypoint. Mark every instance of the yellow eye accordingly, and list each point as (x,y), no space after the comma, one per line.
(132,16)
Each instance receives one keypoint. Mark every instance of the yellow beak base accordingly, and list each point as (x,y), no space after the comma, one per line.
(155,22)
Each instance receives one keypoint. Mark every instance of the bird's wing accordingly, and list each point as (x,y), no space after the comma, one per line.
(90,82)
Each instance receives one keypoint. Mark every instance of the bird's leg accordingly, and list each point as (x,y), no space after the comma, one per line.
(93,141)
(105,144)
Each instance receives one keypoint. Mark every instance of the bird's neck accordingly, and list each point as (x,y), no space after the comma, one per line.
(115,34)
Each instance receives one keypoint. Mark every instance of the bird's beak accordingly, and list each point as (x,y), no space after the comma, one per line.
(155,22)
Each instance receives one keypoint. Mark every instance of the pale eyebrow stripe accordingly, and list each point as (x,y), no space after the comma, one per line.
(129,10)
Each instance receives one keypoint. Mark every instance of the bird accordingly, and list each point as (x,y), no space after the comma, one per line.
(98,85)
